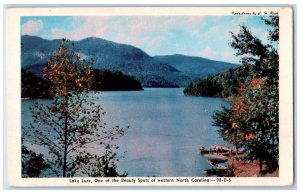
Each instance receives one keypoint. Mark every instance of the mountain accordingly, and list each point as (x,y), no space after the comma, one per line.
(195,67)
(158,71)
(35,53)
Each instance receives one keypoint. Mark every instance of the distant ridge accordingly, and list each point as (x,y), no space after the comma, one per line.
(195,67)
(158,71)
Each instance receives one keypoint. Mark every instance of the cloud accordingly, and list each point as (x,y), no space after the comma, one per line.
(32,27)
(228,55)
(144,32)
(83,27)
(58,33)
(207,51)
(220,55)
(154,25)
(151,32)
(156,35)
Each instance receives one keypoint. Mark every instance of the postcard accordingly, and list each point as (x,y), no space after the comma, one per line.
(149,96)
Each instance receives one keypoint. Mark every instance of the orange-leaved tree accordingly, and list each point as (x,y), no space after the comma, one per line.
(255,108)
(70,126)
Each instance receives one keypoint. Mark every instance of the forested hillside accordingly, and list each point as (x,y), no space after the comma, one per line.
(252,121)
(34,86)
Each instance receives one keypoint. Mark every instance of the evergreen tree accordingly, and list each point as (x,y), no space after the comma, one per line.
(254,114)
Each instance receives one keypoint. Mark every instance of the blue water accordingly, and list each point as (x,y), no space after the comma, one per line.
(166,130)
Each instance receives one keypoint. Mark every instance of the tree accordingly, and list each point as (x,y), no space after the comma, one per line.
(221,85)
(34,86)
(106,80)
(254,111)
(32,163)
(70,127)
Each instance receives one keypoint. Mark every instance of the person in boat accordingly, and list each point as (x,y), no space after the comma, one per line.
(212,148)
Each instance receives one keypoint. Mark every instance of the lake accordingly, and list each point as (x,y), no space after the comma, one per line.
(166,130)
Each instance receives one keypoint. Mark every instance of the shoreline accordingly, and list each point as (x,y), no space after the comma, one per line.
(243,168)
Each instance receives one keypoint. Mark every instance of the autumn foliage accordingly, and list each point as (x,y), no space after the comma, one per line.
(67,72)
(70,128)
(252,121)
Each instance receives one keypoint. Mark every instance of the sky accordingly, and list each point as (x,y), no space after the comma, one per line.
(201,36)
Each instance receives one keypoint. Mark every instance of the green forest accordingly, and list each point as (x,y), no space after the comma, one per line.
(36,87)
(251,122)
(220,85)
(106,80)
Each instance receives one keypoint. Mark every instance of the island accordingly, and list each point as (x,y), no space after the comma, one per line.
(36,87)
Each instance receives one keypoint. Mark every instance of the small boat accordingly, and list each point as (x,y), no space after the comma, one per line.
(215,156)
(216,166)
(215,149)
(225,153)
(219,160)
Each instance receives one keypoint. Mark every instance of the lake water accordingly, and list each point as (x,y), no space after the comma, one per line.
(166,130)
